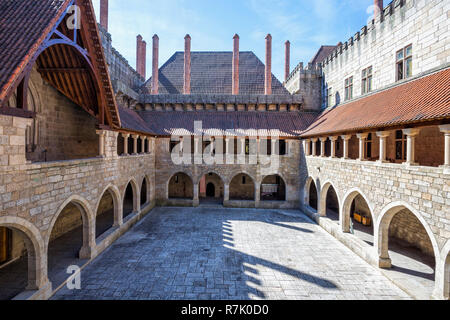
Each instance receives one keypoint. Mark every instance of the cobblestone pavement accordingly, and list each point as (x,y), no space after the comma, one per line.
(240,254)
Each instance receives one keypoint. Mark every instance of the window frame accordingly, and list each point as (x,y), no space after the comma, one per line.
(403,61)
(348,85)
(366,80)
(404,146)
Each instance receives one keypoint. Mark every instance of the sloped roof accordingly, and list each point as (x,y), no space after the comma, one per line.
(417,101)
(248,123)
(24,25)
(322,53)
(211,73)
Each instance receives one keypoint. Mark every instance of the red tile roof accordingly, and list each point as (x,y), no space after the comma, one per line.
(417,101)
(284,124)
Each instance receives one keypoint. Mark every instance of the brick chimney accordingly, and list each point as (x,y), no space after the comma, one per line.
(235,84)
(104,14)
(141,53)
(155,65)
(287,57)
(378,7)
(268,73)
(187,64)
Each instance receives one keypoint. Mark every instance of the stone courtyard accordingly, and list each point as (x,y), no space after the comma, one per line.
(212,252)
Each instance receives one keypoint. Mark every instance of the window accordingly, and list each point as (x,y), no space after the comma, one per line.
(349,88)
(176,179)
(243,180)
(173,144)
(400,145)
(282,147)
(366,80)
(247,147)
(368,146)
(404,63)
(329,97)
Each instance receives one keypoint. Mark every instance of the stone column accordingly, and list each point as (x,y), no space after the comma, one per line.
(101,143)
(362,145)
(196,200)
(273,146)
(333,146)
(198,154)
(241,155)
(306,147)
(322,146)
(411,135)
(226,192)
(125,143)
(446,130)
(257,193)
(314,140)
(135,137)
(143,144)
(382,135)
(346,138)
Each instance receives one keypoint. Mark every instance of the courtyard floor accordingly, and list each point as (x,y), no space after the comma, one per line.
(217,253)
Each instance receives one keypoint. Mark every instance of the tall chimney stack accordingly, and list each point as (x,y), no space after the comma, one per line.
(187,64)
(155,65)
(235,77)
(378,7)
(141,52)
(287,57)
(104,14)
(268,73)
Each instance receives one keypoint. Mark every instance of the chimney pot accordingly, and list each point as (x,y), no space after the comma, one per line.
(235,77)
(187,64)
(378,7)
(140,55)
(104,14)
(155,64)
(268,73)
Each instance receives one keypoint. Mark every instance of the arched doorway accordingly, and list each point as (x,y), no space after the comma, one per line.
(211,188)
(407,245)
(19,262)
(357,217)
(130,200)
(69,233)
(145,188)
(242,187)
(313,195)
(180,186)
(106,212)
(273,188)
(329,202)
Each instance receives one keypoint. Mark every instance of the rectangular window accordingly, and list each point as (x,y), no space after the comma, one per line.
(404,63)
(400,145)
(368,147)
(366,80)
(243,180)
(349,88)
(282,147)
(247,147)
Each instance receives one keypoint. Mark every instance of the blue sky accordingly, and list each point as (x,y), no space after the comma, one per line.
(212,24)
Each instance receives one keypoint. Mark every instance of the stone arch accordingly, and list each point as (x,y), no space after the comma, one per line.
(442,290)
(280,195)
(87,218)
(35,246)
(188,189)
(247,191)
(306,190)
(134,205)
(346,206)
(219,184)
(206,172)
(382,231)
(145,191)
(322,202)
(117,207)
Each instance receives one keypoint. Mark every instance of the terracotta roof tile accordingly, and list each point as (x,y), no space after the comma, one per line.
(420,100)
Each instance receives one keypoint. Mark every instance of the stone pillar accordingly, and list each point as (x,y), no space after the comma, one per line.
(446,130)
(226,192)
(362,145)
(382,135)
(257,194)
(273,146)
(155,65)
(196,200)
(135,137)
(101,143)
(268,71)
(143,144)
(411,135)
(314,147)
(322,146)
(187,64)
(125,143)
(235,76)
(346,138)
(198,152)
(333,146)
